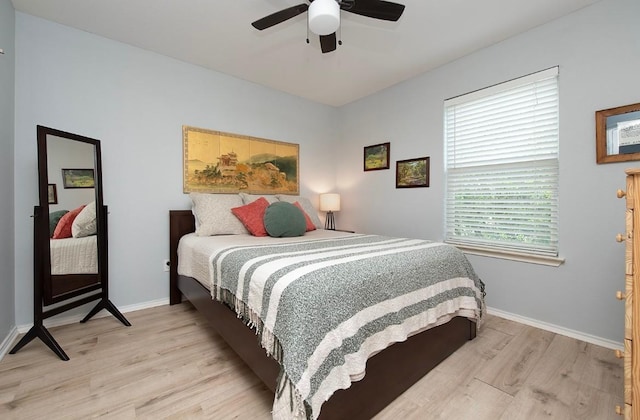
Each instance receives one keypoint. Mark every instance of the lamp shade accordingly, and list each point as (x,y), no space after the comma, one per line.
(329,202)
(324,16)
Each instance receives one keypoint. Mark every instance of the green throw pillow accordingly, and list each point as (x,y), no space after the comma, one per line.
(282,219)
(54,218)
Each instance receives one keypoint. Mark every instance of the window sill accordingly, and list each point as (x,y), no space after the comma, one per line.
(513,256)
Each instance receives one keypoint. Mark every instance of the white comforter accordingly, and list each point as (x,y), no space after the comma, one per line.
(74,255)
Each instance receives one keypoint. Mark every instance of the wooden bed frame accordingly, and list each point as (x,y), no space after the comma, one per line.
(389,373)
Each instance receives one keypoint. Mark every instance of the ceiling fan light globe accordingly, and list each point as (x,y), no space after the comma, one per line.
(324,17)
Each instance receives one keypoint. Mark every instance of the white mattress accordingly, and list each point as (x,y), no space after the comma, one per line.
(74,255)
(195,252)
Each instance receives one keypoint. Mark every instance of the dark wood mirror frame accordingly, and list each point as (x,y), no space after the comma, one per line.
(74,289)
(602,156)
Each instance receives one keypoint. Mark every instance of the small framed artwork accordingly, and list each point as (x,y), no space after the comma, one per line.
(377,157)
(52,194)
(78,178)
(412,173)
(618,134)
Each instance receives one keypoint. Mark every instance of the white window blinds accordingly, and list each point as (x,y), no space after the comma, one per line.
(501,146)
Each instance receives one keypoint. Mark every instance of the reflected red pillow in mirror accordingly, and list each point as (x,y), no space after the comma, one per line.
(63,228)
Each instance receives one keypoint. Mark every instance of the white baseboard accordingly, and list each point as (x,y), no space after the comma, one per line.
(5,346)
(58,321)
(6,343)
(599,341)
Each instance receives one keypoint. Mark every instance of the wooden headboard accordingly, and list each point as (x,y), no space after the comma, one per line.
(181,222)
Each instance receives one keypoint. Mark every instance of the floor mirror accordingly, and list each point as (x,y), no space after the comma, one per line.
(70,233)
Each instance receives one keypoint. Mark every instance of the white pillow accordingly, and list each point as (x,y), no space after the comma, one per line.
(85,223)
(213,214)
(306,205)
(250,198)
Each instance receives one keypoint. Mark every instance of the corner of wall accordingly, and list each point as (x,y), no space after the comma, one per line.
(7,166)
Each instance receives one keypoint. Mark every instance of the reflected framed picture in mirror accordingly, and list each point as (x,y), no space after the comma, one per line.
(78,178)
(618,134)
(52,194)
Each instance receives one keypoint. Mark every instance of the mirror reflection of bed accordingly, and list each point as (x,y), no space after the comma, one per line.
(72,220)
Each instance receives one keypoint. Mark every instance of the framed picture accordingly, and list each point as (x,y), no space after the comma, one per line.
(78,178)
(377,157)
(52,194)
(217,162)
(618,134)
(412,173)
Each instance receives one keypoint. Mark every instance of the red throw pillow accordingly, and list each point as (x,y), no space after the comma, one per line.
(310,225)
(63,228)
(252,216)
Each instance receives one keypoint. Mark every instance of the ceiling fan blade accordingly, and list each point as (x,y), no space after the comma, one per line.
(377,9)
(279,17)
(328,42)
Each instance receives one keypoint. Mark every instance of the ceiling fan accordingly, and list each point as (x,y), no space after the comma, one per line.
(324,16)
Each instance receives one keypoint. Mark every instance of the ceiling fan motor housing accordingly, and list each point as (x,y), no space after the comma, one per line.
(324,17)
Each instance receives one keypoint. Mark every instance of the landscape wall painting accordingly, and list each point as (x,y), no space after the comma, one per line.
(377,157)
(217,162)
(412,173)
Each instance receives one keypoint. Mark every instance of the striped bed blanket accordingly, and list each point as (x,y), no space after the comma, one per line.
(322,307)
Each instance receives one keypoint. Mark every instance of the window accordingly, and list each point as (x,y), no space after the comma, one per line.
(501,154)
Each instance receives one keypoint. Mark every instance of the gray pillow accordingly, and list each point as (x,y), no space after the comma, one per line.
(85,224)
(282,219)
(250,198)
(306,205)
(213,214)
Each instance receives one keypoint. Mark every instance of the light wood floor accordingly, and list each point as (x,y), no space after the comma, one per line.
(171,364)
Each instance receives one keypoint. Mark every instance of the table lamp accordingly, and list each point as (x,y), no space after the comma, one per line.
(330,203)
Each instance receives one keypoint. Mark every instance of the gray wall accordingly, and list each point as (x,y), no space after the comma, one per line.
(136,102)
(7,64)
(598,52)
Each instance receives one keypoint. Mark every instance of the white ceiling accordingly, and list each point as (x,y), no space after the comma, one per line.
(375,54)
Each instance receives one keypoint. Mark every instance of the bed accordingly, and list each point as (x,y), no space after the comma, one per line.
(74,268)
(74,255)
(73,251)
(389,370)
